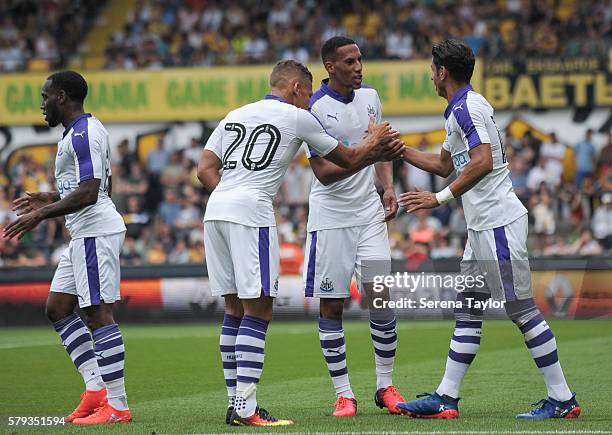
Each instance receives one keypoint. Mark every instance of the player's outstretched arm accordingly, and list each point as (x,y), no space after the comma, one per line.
(380,144)
(208,170)
(441,164)
(83,196)
(480,164)
(34,200)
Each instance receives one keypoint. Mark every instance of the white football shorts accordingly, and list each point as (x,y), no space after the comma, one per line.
(241,260)
(89,269)
(500,255)
(333,256)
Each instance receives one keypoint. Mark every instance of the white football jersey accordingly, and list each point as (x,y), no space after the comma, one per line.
(352,201)
(492,202)
(256,143)
(84,154)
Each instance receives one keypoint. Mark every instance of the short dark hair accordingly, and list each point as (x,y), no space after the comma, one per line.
(71,82)
(286,69)
(457,57)
(328,51)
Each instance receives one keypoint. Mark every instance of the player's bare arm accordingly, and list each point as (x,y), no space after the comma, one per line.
(208,170)
(34,200)
(380,144)
(84,196)
(384,172)
(480,164)
(441,164)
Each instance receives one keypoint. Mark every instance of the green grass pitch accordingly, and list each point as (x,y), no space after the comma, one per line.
(175,383)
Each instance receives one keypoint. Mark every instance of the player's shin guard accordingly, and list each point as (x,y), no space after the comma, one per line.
(250,345)
(110,353)
(227,345)
(77,342)
(464,345)
(331,337)
(542,345)
(383,329)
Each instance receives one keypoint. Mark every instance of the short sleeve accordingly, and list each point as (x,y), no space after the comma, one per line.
(215,141)
(311,131)
(445,145)
(472,121)
(87,152)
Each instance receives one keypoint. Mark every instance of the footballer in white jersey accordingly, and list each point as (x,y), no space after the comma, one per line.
(495,258)
(252,147)
(347,231)
(88,272)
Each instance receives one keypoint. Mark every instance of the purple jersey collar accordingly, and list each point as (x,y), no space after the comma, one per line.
(456,98)
(77,119)
(336,96)
(274,97)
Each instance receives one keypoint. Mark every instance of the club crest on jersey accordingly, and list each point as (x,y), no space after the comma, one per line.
(276,284)
(327,286)
(371,111)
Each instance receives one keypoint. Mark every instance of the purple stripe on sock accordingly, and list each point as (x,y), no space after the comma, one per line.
(335,373)
(547,360)
(465,358)
(335,358)
(544,337)
(385,353)
(247,379)
(74,327)
(330,325)
(111,359)
(331,344)
(61,324)
(77,342)
(531,324)
(246,348)
(384,340)
(112,376)
(466,339)
(249,364)
(84,357)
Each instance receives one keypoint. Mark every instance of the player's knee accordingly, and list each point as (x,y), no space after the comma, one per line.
(332,309)
(55,313)
(470,306)
(521,311)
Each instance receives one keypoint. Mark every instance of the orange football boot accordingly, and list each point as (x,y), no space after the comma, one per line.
(260,418)
(104,415)
(345,407)
(389,398)
(90,401)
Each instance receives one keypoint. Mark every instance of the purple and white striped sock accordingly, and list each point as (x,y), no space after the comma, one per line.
(331,338)
(464,345)
(227,345)
(110,353)
(76,339)
(250,345)
(384,339)
(542,345)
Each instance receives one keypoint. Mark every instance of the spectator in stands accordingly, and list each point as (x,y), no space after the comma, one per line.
(170,208)
(296,184)
(604,162)
(180,254)
(129,253)
(173,175)
(602,221)
(585,156)
(552,153)
(135,218)
(158,158)
(586,245)
(518,176)
(194,152)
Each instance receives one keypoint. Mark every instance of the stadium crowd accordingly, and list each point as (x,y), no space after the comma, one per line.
(164,33)
(163,204)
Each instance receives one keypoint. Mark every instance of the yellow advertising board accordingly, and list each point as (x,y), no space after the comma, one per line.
(191,94)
